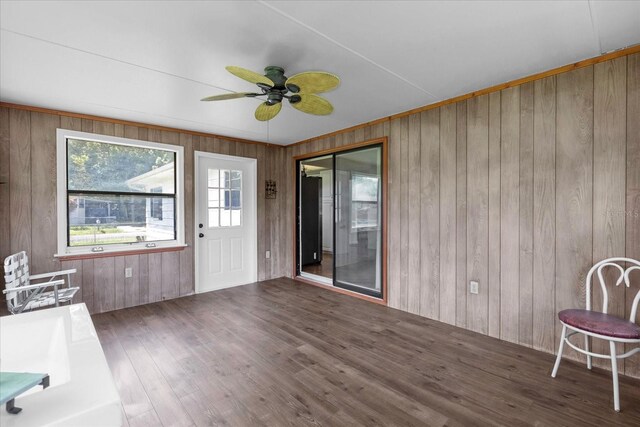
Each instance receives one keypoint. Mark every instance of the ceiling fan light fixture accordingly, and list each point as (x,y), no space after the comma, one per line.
(300,90)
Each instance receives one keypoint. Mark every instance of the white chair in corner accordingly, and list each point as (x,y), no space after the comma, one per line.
(24,295)
(601,325)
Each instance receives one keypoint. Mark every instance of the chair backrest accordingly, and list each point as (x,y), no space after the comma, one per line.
(625,276)
(16,274)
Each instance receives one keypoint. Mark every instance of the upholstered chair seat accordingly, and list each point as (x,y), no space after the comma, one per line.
(600,323)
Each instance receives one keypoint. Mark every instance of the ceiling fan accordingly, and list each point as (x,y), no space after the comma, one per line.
(300,90)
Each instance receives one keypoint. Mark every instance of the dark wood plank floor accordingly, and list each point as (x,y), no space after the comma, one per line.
(287,354)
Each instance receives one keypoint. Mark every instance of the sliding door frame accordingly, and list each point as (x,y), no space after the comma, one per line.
(383,142)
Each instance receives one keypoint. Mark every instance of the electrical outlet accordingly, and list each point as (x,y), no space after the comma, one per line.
(473,287)
(128,272)
(268,254)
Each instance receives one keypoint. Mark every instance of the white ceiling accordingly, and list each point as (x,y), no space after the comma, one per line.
(152,61)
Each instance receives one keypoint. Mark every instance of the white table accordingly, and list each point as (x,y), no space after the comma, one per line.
(63,343)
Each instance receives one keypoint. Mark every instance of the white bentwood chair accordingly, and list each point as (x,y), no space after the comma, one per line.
(601,325)
(23,295)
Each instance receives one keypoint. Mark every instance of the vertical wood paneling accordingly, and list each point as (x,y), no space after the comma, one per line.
(132,284)
(414,256)
(632,214)
(393,252)
(609,180)
(118,270)
(429,227)
(493,284)
(574,188)
(461,214)
(509,213)
(525,298)
(155,277)
(20,180)
(447,214)
(187,267)
(43,192)
(170,267)
(104,285)
(404,212)
(144,278)
(5,162)
(71,123)
(87,284)
(544,214)
(478,211)
(261,208)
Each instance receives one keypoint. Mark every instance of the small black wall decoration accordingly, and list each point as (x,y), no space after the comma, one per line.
(270,189)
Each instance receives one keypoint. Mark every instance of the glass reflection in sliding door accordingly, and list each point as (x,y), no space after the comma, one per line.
(358,220)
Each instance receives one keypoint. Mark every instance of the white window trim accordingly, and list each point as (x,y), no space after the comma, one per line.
(62,205)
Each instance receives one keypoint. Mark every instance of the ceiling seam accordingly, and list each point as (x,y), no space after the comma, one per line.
(258,134)
(596,34)
(115,59)
(348,49)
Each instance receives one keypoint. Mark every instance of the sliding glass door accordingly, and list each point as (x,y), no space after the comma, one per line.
(339,213)
(358,220)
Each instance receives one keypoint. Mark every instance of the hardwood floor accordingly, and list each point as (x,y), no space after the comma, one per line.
(325,268)
(287,354)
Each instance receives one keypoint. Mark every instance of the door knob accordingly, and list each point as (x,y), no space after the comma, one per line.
(200,235)
(200,225)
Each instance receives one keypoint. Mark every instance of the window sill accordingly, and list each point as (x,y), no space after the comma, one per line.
(108,254)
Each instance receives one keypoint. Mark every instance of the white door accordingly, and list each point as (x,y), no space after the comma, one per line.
(226,232)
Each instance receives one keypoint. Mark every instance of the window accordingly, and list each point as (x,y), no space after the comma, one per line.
(117,194)
(156,204)
(364,201)
(224,198)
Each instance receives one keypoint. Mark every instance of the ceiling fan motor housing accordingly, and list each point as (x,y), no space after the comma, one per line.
(276,75)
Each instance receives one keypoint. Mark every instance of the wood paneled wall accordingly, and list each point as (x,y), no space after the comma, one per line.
(522,189)
(28,209)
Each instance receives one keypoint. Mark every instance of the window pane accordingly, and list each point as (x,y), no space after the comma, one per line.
(227,199)
(225,218)
(99,166)
(236,216)
(226,177)
(235,199)
(214,178)
(114,219)
(214,217)
(214,198)
(236,180)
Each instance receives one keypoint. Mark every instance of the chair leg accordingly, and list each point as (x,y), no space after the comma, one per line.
(586,347)
(557,365)
(614,373)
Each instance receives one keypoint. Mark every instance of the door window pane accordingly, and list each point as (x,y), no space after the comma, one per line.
(225,218)
(224,198)
(214,217)
(214,178)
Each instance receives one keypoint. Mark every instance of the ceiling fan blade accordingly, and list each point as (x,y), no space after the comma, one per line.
(314,81)
(313,104)
(229,96)
(250,76)
(266,112)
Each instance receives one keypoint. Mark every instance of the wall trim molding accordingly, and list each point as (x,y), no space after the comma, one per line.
(131,123)
(517,82)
